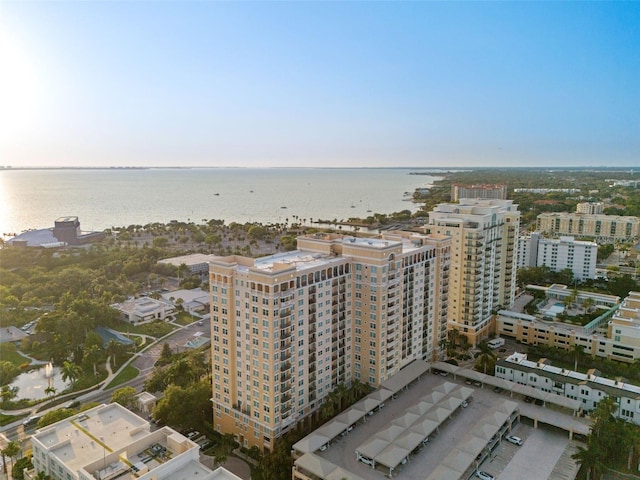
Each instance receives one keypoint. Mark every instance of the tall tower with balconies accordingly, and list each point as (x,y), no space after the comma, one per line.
(483,260)
(288,328)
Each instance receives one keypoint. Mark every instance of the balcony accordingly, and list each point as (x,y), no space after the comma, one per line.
(285,366)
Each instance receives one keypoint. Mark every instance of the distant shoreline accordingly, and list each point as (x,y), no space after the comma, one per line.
(419,170)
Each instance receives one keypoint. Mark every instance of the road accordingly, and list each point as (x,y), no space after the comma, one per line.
(143,361)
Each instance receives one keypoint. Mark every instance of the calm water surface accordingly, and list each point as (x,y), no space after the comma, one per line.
(121,197)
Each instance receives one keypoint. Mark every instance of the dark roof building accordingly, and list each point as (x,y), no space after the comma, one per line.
(66,231)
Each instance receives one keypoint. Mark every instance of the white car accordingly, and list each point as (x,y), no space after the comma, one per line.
(484,475)
(465,404)
(515,440)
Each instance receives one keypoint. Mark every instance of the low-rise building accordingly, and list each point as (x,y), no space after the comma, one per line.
(614,334)
(197,263)
(66,231)
(108,442)
(194,300)
(143,310)
(602,228)
(588,388)
(558,254)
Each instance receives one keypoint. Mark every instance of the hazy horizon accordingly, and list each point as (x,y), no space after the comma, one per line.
(319,84)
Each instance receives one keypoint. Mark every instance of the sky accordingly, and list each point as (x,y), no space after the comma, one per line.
(327,83)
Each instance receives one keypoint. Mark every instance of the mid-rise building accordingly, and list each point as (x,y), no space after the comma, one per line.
(589,388)
(613,333)
(591,208)
(602,228)
(108,442)
(558,254)
(288,328)
(624,326)
(491,191)
(483,260)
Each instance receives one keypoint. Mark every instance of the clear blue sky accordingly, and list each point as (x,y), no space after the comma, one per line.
(319,83)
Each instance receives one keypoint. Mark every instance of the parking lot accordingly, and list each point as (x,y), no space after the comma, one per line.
(535,459)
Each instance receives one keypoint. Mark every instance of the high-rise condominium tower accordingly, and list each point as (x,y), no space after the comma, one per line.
(288,328)
(483,260)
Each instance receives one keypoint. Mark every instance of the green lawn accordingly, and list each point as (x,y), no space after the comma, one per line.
(9,353)
(129,373)
(183,318)
(7,419)
(155,329)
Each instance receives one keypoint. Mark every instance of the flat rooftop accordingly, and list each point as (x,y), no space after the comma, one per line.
(453,434)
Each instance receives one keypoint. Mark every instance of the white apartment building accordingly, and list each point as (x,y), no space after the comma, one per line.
(483,260)
(109,442)
(591,208)
(557,254)
(588,388)
(603,228)
(137,311)
(290,327)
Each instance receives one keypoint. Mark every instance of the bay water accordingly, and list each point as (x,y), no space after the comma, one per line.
(106,198)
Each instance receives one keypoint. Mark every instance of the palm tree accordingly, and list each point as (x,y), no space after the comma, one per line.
(485,357)
(70,371)
(578,352)
(11,450)
(50,391)
(453,335)
(92,355)
(590,460)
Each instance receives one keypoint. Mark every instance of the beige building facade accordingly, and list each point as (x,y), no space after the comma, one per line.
(494,191)
(288,328)
(483,260)
(591,208)
(604,228)
(624,326)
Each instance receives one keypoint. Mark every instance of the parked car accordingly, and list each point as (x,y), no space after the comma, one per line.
(484,475)
(498,389)
(32,420)
(515,440)
(367,461)
(477,383)
(528,399)
(73,404)
(206,444)
(465,404)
